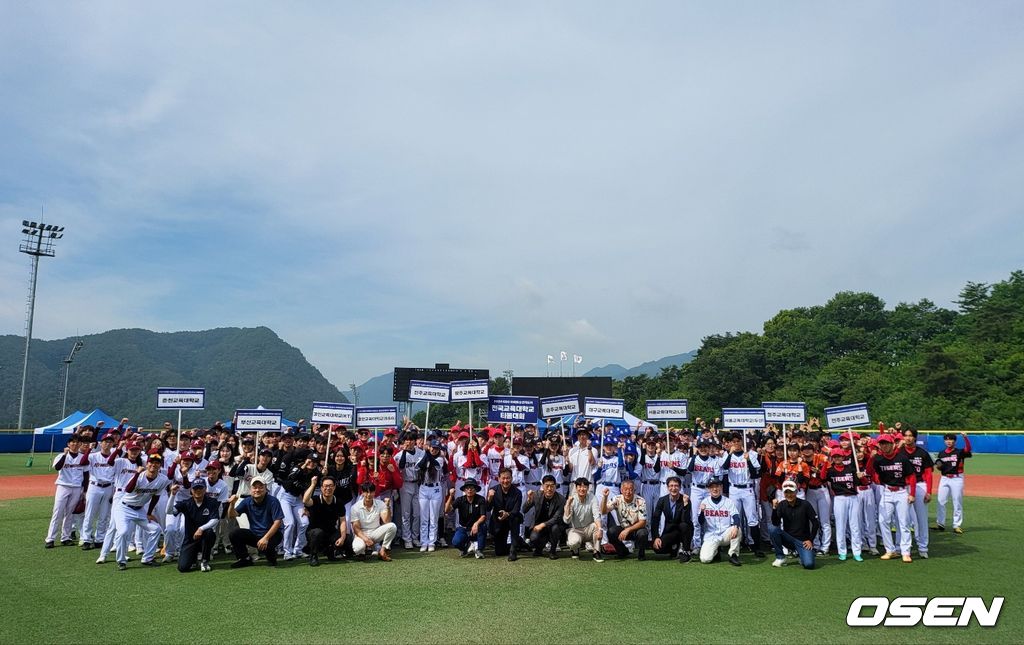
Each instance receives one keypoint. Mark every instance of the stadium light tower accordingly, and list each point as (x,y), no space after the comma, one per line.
(38,242)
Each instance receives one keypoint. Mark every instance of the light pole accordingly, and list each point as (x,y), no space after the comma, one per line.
(67,372)
(38,242)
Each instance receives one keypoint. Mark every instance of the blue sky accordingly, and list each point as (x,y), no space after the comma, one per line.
(482,184)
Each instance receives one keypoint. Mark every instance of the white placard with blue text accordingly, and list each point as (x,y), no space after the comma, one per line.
(477,390)
(743,418)
(429,391)
(377,417)
(180,398)
(604,408)
(847,416)
(667,410)
(333,413)
(257,420)
(785,412)
(560,406)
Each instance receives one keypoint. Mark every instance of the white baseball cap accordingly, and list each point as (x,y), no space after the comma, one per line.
(789,485)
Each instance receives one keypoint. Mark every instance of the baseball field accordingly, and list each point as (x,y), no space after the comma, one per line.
(62,596)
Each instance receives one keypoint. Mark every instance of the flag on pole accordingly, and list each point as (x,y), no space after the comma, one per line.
(551,359)
(564,356)
(576,358)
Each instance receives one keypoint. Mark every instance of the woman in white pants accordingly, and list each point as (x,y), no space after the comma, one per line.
(433,467)
(843,479)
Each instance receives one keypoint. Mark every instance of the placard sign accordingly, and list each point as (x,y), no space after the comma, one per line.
(513,409)
(785,412)
(429,391)
(180,398)
(667,410)
(559,406)
(377,417)
(477,390)
(847,416)
(334,413)
(257,420)
(604,408)
(740,418)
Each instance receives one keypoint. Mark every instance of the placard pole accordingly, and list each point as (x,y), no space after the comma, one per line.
(853,449)
(179,430)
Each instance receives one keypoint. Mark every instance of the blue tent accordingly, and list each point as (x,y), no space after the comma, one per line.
(64,426)
(93,418)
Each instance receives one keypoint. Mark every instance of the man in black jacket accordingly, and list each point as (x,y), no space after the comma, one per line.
(794,525)
(505,503)
(674,508)
(548,527)
(201,515)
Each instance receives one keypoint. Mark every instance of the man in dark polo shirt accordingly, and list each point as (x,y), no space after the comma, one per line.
(327,532)
(201,515)
(265,519)
(548,527)
(470,530)
(794,525)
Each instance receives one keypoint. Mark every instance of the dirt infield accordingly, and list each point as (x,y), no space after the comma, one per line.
(1007,487)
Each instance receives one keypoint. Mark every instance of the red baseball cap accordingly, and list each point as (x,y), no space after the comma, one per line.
(198,443)
(133,445)
(213,465)
(886,437)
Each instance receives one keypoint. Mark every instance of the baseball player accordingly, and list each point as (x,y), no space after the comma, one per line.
(582,460)
(431,470)
(702,468)
(99,495)
(181,476)
(923,465)
(719,521)
(302,467)
(741,468)
(869,508)
(843,479)
(124,468)
(408,462)
(893,472)
(950,463)
(71,466)
(650,472)
(141,494)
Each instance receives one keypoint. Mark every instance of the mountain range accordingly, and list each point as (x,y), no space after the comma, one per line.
(120,370)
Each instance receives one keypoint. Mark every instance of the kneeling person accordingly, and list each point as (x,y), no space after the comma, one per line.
(548,527)
(265,520)
(371,523)
(720,522)
(631,515)
(201,515)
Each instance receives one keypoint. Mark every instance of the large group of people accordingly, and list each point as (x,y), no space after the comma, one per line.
(595,490)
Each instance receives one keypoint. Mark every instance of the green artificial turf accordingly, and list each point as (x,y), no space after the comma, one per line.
(61,596)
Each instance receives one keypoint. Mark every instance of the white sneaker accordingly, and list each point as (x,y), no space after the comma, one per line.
(169,557)
(923,554)
(423,549)
(101,560)
(204,566)
(430,549)
(472,548)
(408,544)
(289,556)
(131,548)
(478,555)
(442,542)
(779,562)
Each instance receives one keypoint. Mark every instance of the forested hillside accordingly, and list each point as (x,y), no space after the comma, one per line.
(929,366)
(120,370)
